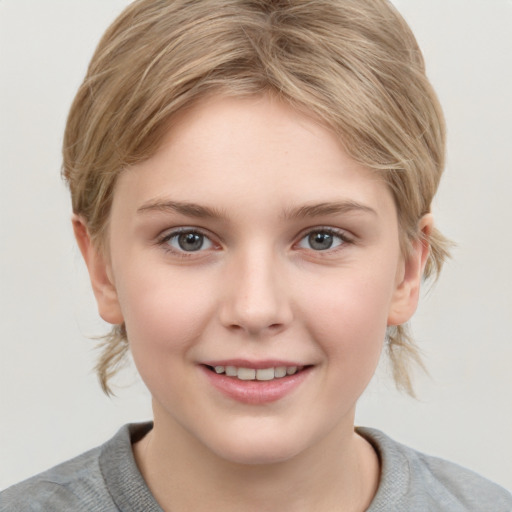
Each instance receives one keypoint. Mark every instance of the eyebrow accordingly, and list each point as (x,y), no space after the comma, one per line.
(306,211)
(328,208)
(184,208)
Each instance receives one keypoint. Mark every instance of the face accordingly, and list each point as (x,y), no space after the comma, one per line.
(256,268)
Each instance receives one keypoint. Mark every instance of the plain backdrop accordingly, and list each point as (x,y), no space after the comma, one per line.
(51,407)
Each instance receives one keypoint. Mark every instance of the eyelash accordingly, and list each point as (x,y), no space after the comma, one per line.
(164,240)
(335,233)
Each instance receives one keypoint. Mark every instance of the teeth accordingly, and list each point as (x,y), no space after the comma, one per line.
(231,371)
(279,372)
(260,374)
(265,374)
(246,373)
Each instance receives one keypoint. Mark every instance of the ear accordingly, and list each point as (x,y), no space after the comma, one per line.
(100,273)
(407,292)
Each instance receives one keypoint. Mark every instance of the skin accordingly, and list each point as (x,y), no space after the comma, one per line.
(256,290)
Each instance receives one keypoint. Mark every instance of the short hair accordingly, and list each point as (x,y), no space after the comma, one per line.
(353,64)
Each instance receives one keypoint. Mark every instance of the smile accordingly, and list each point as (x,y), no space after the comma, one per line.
(261,374)
(255,383)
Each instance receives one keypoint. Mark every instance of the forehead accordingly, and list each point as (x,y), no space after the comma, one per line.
(241,150)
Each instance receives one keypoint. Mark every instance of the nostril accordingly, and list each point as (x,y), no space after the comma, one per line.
(256,329)
(253,314)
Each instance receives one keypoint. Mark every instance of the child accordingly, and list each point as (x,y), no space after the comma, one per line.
(251,186)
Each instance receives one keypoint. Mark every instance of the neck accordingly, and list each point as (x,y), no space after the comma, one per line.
(339,473)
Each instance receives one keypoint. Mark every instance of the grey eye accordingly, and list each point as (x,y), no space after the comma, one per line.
(189,242)
(321,240)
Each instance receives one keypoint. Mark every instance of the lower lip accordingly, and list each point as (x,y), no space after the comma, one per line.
(255,392)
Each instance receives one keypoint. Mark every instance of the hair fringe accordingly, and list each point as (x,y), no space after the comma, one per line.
(113,349)
(440,251)
(403,354)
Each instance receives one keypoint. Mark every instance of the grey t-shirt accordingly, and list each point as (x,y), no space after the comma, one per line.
(106,479)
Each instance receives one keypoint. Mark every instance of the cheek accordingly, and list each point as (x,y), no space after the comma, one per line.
(164,312)
(349,321)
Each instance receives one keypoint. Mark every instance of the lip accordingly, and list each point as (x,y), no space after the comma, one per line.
(254,392)
(256,365)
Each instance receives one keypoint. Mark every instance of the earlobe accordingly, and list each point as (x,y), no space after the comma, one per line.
(406,295)
(100,274)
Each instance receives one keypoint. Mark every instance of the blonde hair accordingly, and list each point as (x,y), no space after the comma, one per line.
(354,64)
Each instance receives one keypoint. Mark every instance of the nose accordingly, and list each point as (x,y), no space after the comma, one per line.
(257,298)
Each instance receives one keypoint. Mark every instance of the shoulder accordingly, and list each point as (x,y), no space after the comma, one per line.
(414,481)
(79,484)
(68,486)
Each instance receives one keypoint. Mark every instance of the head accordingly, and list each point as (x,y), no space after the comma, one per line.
(353,65)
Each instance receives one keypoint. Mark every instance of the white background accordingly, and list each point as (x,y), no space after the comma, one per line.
(51,407)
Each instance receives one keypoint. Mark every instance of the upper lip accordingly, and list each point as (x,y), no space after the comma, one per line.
(256,365)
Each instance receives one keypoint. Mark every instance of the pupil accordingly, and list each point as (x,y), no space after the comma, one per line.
(190,241)
(320,241)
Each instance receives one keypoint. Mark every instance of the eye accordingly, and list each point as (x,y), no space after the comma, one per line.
(187,241)
(323,240)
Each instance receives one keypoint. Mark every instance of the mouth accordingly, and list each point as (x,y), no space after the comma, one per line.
(256,374)
(256,383)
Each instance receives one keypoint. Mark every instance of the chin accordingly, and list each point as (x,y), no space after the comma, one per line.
(258,449)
